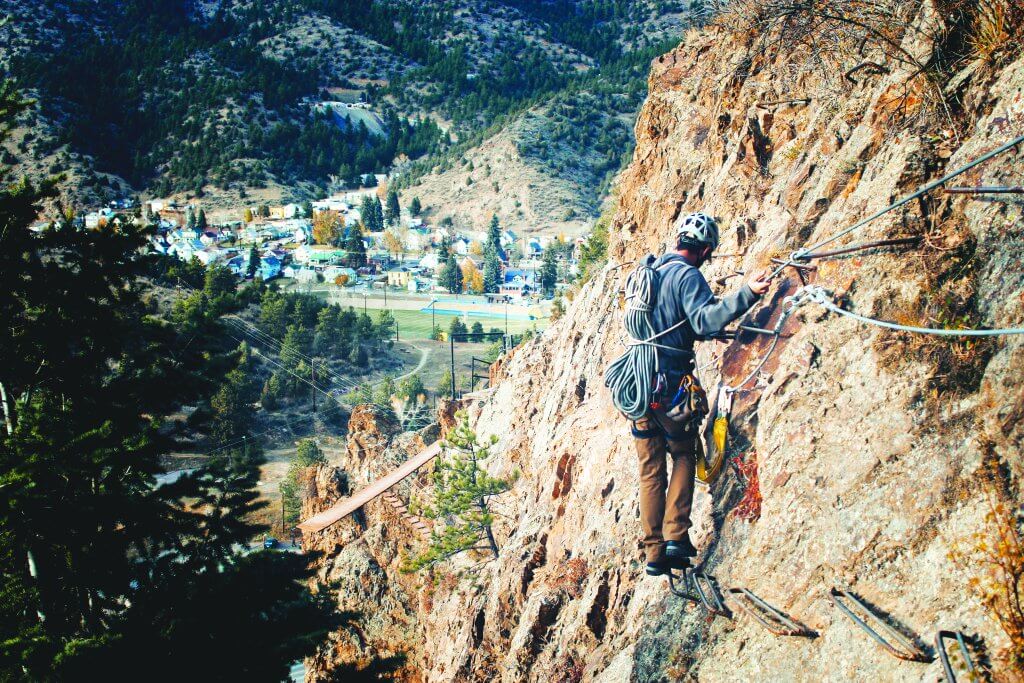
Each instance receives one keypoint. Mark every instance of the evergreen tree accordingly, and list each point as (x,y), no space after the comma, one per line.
(393,210)
(477,328)
(415,206)
(201,224)
(492,273)
(254,262)
(461,498)
(385,390)
(411,388)
(386,325)
(190,219)
(444,386)
(378,214)
(457,327)
(355,249)
(548,273)
(307,454)
(451,275)
(123,570)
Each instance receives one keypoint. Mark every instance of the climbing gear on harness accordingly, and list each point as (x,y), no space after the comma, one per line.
(907,649)
(630,377)
(698,227)
(709,463)
(689,406)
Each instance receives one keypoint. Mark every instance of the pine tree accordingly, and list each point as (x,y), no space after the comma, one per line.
(415,206)
(254,262)
(492,273)
(451,275)
(411,388)
(461,500)
(124,570)
(355,248)
(393,210)
(378,214)
(201,224)
(548,273)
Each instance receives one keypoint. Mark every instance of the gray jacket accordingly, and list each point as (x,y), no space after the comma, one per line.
(683,293)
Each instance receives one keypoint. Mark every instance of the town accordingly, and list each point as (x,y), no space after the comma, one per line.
(354,245)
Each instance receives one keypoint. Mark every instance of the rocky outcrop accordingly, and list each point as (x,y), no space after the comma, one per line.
(867,446)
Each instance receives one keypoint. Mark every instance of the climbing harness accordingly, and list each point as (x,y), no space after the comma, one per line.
(689,406)
(630,376)
(947,668)
(906,650)
(776,622)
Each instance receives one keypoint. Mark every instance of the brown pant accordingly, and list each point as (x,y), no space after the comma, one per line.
(664,502)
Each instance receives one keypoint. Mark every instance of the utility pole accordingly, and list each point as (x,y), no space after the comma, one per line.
(282,514)
(451,343)
(312,381)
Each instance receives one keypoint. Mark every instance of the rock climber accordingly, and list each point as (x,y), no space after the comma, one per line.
(682,294)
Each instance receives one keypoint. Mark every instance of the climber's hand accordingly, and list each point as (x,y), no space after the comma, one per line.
(760,283)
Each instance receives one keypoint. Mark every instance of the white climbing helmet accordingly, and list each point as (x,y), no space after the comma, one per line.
(699,227)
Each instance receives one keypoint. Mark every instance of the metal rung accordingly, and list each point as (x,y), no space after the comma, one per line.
(964,652)
(986,189)
(681,593)
(776,622)
(910,652)
(708,594)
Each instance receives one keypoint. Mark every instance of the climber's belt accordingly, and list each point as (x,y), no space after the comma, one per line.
(650,433)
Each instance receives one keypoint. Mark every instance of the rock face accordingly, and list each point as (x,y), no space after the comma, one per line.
(866,446)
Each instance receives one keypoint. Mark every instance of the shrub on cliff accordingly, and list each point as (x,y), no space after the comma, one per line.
(462,495)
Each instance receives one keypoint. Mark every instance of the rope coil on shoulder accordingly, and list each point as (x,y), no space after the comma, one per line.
(629,376)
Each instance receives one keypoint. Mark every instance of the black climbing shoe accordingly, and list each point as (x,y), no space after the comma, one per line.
(658,568)
(680,550)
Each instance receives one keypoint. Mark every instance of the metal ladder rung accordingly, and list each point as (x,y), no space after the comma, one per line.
(776,622)
(910,652)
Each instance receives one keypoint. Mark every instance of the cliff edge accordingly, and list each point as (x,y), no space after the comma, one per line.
(861,457)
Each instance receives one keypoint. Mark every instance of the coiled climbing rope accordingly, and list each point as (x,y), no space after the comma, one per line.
(629,375)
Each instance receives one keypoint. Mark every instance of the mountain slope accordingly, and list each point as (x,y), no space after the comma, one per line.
(870,458)
(214,99)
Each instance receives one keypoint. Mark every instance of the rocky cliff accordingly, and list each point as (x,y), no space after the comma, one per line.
(863,458)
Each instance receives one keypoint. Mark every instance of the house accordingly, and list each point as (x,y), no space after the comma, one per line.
(399,277)
(517,283)
(318,255)
(209,237)
(430,262)
(507,238)
(533,247)
(270,267)
(286,211)
(185,249)
(332,273)
(460,246)
(95,218)
(416,285)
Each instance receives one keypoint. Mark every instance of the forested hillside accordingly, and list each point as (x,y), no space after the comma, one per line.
(216,99)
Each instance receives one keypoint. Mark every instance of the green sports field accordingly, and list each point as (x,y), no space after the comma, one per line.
(416,324)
